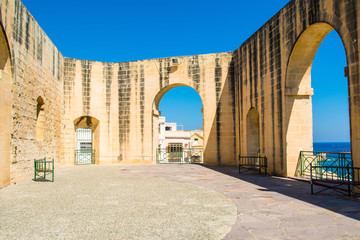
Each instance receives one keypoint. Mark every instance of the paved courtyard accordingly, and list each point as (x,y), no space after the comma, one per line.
(172,202)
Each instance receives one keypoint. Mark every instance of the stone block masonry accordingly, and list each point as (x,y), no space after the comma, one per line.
(124,96)
(273,76)
(256,99)
(36,71)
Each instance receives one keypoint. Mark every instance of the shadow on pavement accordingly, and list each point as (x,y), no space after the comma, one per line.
(329,200)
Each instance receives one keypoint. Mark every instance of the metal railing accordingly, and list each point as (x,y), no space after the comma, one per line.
(338,178)
(181,155)
(84,156)
(321,159)
(256,163)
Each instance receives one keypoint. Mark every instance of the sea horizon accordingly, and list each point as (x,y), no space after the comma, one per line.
(331,146)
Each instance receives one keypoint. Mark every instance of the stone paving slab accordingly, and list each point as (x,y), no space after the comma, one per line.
(134,202)
(269,207)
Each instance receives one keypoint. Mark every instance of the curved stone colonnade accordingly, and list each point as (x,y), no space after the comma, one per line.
(257,98)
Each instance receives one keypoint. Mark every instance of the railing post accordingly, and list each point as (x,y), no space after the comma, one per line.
(34,169)
(311,180)
(258,163)
(239,164)
(349,187)
(43,165)
(52,170)
(301,165)
(343,164)
(93,156)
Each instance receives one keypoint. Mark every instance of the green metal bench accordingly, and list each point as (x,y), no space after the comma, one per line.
(255,163)
(341,179)
(43,168)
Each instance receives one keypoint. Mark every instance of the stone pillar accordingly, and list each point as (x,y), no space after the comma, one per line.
(156,114)
(299,128)
(5,128)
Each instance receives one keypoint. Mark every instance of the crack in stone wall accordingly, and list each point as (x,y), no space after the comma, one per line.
(124,98)
(142,104)
(218,85)
(108,75)
(86,86)
(194,72)
(164,72)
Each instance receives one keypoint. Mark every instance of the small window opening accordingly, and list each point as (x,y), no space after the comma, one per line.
(40,119)
(39,106)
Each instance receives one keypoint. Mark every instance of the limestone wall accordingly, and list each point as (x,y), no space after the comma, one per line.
(45,97)
(273,75)
(37,71)
(124,97)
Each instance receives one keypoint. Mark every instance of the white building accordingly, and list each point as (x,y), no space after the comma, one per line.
(179,146)
(170,136)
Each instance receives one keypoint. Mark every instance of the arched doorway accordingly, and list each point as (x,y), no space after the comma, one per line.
(178,133)
(5,109)
(87,140)
(252,133)
(299,92)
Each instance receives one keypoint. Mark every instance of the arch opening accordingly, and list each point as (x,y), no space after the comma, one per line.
(253,133)
(299,95)
(178,133)
(87,134)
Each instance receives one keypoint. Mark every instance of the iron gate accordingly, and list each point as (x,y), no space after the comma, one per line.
(179,155)
(84,154)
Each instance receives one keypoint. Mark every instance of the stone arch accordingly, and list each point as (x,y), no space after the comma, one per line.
(156,113)
(89,122)
(5,108)
(253,132)
(298,92)
(163,91)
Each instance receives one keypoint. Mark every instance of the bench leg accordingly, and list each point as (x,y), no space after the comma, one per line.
(312,188)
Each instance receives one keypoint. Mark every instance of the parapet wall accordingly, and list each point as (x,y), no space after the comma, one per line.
(273,76)
(37,71)
(124,97)
(257,99)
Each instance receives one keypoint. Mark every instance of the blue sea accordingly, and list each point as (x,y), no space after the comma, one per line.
(332,147)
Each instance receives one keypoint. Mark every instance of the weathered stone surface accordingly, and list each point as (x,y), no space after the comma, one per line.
(273,75)
(123,96)
(269,73)
(36,71)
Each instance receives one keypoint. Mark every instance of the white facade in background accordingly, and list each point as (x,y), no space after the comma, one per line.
(169,134)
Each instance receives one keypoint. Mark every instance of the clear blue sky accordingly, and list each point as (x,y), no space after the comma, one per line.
(117,31)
